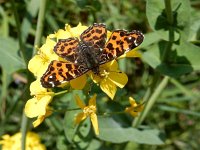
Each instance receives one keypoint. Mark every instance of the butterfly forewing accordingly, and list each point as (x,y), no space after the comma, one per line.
(95,35)
(59,72)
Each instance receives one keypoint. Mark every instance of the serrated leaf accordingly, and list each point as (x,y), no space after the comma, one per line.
(9,58)
(111,131)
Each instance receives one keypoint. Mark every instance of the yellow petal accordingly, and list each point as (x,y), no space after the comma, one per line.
(36,88)
(39,120)
(139,107)
(108,34)
(132,102)
(92,101)
(119,79)
(132,53)
(35,107)
(76,31)
(79,83)
(79,102)
(108,87)
(133,114)
(94,77)
(62,34)
(110,66)
(37,65)
(113,65)
(47,48)
(94,121)
(80,117)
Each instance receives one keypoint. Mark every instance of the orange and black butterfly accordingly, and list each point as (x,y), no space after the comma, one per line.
(88,53)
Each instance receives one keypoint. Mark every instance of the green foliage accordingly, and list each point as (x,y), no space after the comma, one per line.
(166,77)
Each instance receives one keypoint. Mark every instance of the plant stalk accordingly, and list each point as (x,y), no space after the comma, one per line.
(40,25)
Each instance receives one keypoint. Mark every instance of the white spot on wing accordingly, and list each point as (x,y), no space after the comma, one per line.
(135,42)
(52,84)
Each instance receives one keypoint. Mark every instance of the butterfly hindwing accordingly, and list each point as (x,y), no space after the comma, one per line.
(67,48)
(120,42)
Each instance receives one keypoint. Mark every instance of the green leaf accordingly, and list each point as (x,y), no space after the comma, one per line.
(9,58)
(111,131)
(154,37)
(94,144)
(84,127)
(157,18)
(4,26)
(61,143)
(185,58)
(69,125)
(32,9)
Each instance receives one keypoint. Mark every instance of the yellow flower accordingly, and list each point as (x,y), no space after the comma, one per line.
(109,78)
(14,142)
(135,108)
(38,105)
(88,111)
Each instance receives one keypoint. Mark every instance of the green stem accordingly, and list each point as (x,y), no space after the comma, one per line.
(62,92)
(170,19)
(169,12)
(21,44)
(150,89)
(151,101)
(40,24)
(24,126)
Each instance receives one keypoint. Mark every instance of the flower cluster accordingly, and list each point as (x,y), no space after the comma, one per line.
(14,142)
(91,109)
(108,79)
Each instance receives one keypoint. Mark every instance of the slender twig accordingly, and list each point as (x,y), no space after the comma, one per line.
(40,24)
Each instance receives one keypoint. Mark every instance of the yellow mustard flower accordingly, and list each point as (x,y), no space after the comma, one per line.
(38,105)
(135,108)
(88,111)
(14,142)
(109,78)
